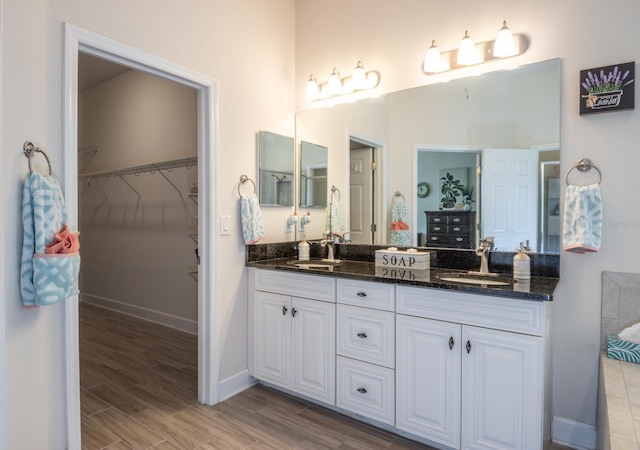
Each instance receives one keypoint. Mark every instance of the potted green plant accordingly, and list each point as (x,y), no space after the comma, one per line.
(450,189)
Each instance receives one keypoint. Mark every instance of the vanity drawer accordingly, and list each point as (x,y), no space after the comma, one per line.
(366,389)
(366,334)
(366,293)
(452,240)
(316,287)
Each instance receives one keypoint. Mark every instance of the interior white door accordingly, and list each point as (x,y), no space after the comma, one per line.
(361,196)
(510,196)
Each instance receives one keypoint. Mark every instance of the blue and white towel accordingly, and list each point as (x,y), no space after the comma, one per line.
(251,218)
(334,225)
(582,221)
(400,234)
(45,278)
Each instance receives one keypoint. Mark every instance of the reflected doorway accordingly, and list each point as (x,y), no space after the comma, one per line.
(365,206)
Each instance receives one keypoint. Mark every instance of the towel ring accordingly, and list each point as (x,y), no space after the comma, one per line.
(243,180)
(398,198)
(333,191)
(29,149)
(583,165)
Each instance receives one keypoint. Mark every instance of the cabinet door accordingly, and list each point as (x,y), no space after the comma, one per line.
(428,379)
(502,390)
(314,349)
(273,338)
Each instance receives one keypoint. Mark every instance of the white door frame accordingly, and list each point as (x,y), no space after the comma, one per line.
(78,39)
(3,343)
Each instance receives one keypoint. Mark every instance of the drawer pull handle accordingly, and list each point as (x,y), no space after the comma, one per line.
(434,238)
(456,219)
(468,346)
(436,228)
(456,228)
(361,294)
(362,390)
(362,335)
(284,310)
(293,312)
(459,239)
(436,219)
(451,343)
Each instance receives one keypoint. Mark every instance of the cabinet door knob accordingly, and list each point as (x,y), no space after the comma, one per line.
(451,343)
(284,310)
(468,346)
(362,335)
(361,294)
(293,312)
(362,390)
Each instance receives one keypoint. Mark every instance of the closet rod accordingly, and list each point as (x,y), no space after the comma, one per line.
(167,165)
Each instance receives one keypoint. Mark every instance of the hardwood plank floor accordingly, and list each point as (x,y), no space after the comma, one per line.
(139,391)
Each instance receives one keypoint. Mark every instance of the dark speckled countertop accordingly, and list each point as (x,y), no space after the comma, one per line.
(540,288)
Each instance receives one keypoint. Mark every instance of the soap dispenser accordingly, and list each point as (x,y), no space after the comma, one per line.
(521,266)
(303,251)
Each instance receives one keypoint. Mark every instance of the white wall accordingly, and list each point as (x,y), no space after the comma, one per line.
(136,251)
(247,45)
(392,37)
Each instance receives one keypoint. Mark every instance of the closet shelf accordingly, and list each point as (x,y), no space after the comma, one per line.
(166,165)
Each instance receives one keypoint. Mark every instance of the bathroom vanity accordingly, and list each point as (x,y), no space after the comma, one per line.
(450,364)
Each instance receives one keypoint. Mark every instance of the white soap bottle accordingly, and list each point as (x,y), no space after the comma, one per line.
(303,251)
(521,266)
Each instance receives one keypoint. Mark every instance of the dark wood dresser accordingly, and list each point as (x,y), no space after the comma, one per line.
(451,229)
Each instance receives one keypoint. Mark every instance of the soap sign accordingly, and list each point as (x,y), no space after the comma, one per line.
(398,261)
(608,88)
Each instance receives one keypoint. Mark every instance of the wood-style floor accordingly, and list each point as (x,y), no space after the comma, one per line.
(139,391)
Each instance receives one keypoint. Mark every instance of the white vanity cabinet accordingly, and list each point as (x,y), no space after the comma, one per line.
(472,371)
(294,333)
(365,374)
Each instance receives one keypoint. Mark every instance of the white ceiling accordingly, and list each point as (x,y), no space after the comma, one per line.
(93,71)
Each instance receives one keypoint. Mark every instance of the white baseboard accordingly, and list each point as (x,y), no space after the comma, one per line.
(179,323)
(573,434)
(235,384)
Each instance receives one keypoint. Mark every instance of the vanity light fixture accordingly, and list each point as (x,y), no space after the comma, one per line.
(336,86)
(505,45)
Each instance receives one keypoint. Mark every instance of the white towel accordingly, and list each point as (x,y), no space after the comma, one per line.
(582,221)
(251,217)
(333,218)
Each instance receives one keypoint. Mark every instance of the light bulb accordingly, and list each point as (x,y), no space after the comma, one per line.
(467,54)
(504,44)
(334,84)
(313,90)
(432,59)
(359,78)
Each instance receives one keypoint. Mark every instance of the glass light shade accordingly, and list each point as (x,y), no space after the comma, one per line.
(313,90)
(467,53)
(504,44)
(359,78)
(334,85)
(432,59)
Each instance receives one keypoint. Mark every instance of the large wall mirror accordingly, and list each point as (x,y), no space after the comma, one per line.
(276,157)
(497,135)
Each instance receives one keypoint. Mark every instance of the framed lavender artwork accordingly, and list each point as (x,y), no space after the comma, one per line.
(608,88)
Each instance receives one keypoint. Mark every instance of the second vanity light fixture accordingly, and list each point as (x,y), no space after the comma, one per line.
(469,53)
(359,81)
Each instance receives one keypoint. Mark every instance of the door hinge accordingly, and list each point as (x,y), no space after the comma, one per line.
(374,228)
(374,165)
(479,170)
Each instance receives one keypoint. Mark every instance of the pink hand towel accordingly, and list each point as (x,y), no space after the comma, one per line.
(64,242)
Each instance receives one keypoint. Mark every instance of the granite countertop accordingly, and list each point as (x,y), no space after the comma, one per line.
(538,289)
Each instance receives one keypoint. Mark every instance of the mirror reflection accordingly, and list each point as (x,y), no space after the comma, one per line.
(313,175)
(505,123)
(276,169)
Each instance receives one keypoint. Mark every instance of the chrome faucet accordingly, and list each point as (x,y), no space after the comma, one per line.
(482,251)
(328,242)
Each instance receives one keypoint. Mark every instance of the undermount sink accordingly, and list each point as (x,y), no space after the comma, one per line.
(474,278)
(314,263)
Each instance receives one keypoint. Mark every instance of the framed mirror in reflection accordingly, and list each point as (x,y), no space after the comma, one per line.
(313,175)
(276,160)
(507,122)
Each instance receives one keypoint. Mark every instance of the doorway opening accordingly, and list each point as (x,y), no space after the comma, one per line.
(77,41)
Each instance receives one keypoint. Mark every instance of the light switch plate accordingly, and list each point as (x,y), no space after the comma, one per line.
(225,225)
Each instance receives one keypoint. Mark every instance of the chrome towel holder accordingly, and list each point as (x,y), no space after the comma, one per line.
(243,180)
(30,149)
(583,165)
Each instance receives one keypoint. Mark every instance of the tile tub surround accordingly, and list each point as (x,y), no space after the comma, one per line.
(620,303)
(618,405)
(542,265)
